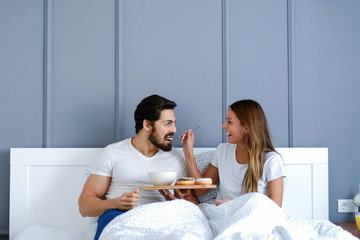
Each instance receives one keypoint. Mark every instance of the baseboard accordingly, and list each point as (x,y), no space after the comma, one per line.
(4,236)
(4,233)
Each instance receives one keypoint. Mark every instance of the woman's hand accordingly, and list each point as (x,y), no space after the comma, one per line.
(217,203)
(188,140)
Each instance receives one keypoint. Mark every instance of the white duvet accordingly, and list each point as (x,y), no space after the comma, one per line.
(251,216)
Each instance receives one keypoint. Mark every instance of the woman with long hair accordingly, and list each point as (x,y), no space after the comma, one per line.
(248,162)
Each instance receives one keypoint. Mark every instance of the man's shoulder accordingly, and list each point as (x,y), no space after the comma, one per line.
(119,145)
(117,148)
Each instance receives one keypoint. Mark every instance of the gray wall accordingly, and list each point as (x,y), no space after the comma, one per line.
(72,72)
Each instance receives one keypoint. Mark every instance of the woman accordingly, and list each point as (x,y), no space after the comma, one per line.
(248,162)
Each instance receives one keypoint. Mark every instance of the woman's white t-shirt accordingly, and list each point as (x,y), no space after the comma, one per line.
(231,173)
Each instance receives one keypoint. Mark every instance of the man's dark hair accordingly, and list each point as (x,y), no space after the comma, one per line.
(150,109)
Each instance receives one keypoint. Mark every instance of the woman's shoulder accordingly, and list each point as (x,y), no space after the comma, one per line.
(226,147)
(271,153)
(224,150)
(272,157)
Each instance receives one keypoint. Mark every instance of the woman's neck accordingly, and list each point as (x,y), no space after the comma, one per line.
(241,154)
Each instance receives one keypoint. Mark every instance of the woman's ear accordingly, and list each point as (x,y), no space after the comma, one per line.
(246,130)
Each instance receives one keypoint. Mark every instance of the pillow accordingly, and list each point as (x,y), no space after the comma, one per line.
(202,161)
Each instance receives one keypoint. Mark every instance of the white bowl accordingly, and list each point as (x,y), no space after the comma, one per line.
(162,178)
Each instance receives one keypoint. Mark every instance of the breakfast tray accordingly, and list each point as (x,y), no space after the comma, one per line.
(176,187)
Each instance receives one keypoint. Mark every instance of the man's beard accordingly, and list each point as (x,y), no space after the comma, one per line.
(153,139)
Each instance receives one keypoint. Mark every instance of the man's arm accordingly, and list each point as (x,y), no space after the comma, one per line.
(91,201)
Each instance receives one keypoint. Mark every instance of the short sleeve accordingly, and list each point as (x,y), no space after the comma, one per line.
(104,165)
(217,154)
(274,167)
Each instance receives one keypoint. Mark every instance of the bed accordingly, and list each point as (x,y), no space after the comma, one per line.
(45,184)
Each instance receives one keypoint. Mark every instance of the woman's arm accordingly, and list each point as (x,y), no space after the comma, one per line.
(276,190)
(211,172)
(187,140)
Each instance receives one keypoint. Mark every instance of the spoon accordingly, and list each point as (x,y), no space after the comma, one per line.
(172,139)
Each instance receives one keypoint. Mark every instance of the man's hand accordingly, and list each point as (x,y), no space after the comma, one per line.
(169,196)
(128,200)
(186,194)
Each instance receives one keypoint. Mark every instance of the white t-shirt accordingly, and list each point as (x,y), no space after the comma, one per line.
(128,168)
(231,173)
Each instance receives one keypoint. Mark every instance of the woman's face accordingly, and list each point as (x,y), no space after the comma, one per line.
(236,132)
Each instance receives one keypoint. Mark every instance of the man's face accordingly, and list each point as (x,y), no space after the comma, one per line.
(163,129)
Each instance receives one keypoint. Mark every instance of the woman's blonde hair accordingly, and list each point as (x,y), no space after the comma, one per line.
(252,116)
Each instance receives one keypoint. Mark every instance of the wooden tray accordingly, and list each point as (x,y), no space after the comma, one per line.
(176,187)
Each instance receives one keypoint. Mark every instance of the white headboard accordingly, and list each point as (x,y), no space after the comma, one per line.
(45,184)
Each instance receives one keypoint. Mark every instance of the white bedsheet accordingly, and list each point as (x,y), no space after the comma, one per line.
(40,232)
(251,216)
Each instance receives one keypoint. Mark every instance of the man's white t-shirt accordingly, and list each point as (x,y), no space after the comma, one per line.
(128,168)
(231,173)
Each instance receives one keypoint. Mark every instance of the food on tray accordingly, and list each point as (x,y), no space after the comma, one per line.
(185,181)
(203,181)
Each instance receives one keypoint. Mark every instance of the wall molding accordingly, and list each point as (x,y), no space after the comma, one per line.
(291,72)
(47,73)
(119,70)
(225,61)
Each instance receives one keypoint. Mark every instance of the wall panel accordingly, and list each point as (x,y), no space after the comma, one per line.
(21,79)
(83,73)
(326,111)
(173,48)
(85,65)
(257,60)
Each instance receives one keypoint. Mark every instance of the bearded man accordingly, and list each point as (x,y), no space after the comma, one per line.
(125,164)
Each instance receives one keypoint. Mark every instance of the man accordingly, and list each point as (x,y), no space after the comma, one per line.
(126,164)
